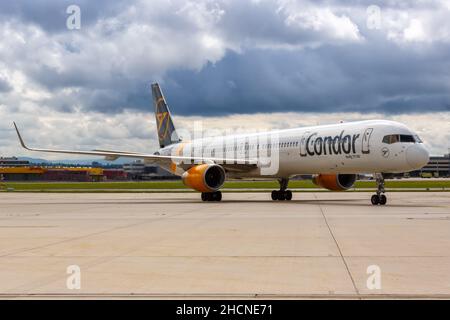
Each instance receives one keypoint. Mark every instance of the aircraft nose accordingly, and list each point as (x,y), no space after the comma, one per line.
(417,156)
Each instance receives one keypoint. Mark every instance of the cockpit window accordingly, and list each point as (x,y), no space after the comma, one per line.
(392,138)
(418,140)
(405,138)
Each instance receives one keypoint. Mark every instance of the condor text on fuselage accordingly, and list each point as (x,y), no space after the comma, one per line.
(317,145)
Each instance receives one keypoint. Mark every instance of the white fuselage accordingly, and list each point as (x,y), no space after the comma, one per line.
(353,147)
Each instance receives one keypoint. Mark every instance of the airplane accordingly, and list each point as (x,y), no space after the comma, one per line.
(334,155)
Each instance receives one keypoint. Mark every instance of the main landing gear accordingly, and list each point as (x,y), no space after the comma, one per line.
(282,194)
(212,196)
(379,198)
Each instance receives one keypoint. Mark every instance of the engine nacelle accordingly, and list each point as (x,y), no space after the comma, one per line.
(335,182)
(204,177)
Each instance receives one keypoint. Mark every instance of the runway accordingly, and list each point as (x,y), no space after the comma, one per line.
(172,245)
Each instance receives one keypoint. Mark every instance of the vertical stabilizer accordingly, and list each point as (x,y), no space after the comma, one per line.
(164,124)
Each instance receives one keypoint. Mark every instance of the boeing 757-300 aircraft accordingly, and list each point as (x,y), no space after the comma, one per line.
(332,154)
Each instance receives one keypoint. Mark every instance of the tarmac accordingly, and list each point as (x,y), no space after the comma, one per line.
(171,245)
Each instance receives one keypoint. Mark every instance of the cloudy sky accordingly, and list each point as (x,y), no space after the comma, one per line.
(229,63)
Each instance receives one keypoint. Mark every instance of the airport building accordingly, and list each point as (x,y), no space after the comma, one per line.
(138,170)
(134,170)
(13,162)
(30,173)
(13,169)
(437,166)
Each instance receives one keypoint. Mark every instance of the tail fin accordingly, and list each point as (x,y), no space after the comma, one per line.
(166,130)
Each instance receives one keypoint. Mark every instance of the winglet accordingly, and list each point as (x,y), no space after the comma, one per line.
(20,137)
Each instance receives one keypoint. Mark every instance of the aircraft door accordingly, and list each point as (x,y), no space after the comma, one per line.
(366,141)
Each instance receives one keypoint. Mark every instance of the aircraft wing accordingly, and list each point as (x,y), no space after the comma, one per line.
(113,155)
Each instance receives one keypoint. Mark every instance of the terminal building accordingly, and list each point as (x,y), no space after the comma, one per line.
(13,162)
(31,173)
(14,169)
(437,166)
(138,170)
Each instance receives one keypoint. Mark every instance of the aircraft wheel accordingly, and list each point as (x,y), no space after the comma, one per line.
(212,196)
(274,195)
(288,195)
(383,199)
(281,195)
(375,199)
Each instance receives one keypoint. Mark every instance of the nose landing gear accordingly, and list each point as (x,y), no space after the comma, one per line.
(379,198)
(282,194)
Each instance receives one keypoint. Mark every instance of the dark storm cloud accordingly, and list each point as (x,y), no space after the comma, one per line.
(330,79)
(223,57)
